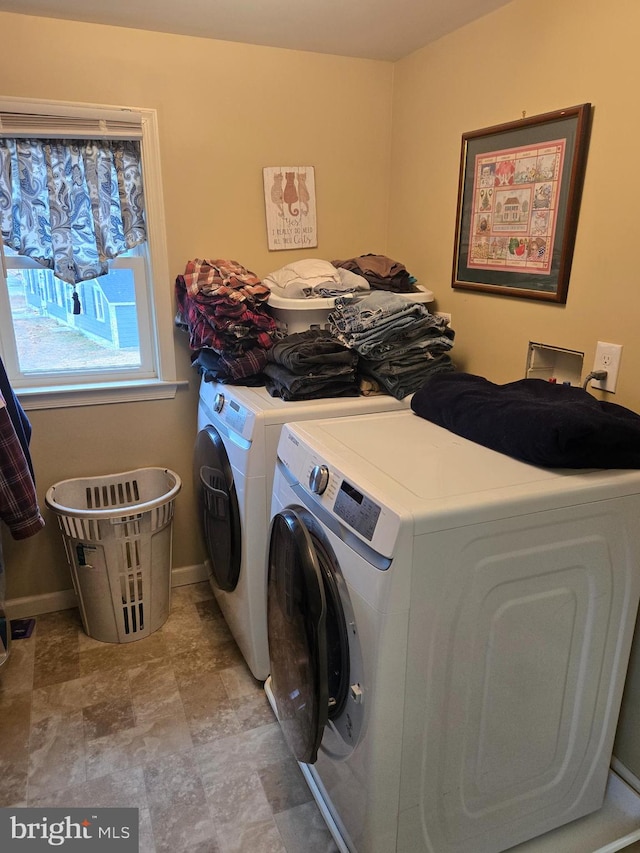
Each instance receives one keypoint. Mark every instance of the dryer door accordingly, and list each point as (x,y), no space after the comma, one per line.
(308,640)
(218,508)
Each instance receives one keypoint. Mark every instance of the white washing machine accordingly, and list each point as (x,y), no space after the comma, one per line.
(234,459)
(449,630)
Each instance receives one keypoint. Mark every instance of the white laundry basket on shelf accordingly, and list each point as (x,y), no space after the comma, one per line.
(298,315)
(117,532)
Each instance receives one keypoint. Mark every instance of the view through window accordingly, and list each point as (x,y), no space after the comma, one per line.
(49,336)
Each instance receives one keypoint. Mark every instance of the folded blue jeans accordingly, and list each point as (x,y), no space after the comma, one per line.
(350,317)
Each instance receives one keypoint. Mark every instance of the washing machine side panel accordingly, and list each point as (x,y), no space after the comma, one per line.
(271,439)
(256,460)
(244,609)
(519,638)
(254,577)
(204,417)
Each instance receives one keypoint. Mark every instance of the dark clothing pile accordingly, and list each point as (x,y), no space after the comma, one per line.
(398,341)
(310,365)
(241,370)
(223,307)
(542,423)
(381,272)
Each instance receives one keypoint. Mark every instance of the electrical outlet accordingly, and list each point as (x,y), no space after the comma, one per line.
(607,358)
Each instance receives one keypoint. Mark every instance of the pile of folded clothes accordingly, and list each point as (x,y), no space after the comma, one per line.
(398,341)
(314,278)
(311,365)
(381,272)
(223,307)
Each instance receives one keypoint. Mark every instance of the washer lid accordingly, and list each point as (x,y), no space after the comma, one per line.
(434,478)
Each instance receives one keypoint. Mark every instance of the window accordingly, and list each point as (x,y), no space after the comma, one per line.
(102,339)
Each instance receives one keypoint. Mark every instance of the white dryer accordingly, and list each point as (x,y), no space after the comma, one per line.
(234,459)
(449,630)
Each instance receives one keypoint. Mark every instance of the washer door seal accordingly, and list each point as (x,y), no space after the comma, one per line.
(308,641)
(218,508)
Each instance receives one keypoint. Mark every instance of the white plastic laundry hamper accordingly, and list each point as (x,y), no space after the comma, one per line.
(298,315)
(117,533)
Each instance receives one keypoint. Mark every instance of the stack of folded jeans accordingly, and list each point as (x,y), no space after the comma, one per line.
(398,341)
(310,365)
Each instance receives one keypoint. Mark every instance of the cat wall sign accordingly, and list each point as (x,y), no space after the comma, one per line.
(290,207)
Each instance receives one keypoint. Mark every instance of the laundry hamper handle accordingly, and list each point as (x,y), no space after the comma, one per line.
(115,512)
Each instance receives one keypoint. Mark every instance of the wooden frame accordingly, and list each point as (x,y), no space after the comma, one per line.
(518,201)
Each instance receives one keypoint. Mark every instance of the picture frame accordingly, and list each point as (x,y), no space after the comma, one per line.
(519,193)
(290,207)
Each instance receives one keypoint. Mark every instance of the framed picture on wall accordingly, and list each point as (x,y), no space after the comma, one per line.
(290,207)
(518,201)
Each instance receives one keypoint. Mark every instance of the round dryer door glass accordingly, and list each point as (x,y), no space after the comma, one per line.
(218,508)
(308,644)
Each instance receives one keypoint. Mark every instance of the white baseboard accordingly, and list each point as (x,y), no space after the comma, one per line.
(34,605)
(626,774)
(189,574)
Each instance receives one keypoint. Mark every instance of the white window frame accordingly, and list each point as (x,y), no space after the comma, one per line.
(157,377)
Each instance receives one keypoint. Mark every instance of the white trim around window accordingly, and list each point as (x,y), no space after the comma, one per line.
(32,117)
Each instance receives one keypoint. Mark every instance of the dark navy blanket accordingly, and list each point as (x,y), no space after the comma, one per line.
(554,426)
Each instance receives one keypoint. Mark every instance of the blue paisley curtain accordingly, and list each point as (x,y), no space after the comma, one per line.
(71,205)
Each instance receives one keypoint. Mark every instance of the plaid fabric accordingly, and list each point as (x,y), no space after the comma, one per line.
(18,502)
(223,278)
(249,363)
(221,304)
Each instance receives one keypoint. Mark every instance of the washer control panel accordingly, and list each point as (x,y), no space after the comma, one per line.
(359,511)
(364,512)
(235,415)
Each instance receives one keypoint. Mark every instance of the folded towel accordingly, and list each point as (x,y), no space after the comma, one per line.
(554,426)
(313,278)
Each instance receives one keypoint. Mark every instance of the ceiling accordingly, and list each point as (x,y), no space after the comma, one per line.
(372,29)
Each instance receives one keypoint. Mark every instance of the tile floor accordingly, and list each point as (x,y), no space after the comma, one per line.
(173,724)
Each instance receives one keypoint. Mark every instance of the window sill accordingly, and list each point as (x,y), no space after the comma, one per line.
(99,393)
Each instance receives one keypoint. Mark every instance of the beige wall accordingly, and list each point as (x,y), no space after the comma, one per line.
(225,111)
(534,58)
